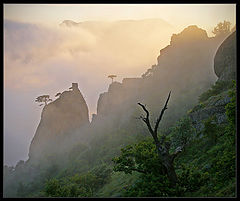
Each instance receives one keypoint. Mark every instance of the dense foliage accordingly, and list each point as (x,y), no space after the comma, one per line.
(153,182)
(182,133)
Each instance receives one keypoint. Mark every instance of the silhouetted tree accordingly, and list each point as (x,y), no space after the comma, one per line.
(222,28)
(112,76)
(162,145)
(43,99)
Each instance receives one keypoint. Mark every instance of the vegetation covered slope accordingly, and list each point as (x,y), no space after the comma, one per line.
(205,168)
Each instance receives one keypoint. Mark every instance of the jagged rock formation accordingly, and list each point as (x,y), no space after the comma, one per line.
(225,59)
(59,119)
(185,67)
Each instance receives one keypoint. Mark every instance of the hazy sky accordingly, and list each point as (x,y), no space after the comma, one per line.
(204,15)
(40,57)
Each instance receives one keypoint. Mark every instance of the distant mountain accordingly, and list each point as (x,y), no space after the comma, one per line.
(68,23)
(144,22)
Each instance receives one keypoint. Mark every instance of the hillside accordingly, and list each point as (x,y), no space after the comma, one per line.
(70,157)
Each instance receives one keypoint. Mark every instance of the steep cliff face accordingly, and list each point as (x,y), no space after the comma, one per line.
(184,67)
(119,96)
(225,59)
(59,119)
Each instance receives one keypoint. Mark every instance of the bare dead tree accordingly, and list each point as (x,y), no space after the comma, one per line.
(162,146)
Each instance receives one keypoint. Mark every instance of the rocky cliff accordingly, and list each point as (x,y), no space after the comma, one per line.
(225,69)
(225,59)
(118,94)
(59,119)
(184,67)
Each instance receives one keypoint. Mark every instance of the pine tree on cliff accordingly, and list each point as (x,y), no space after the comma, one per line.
(112,76)
(43,99)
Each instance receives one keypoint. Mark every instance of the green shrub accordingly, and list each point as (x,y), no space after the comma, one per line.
(191,179)
(211,129)
(140,157)
(182,133)
(231,111)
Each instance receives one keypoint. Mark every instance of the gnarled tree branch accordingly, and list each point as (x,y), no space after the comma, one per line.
(161,114)
(146,119)
(147,122)
(163,151)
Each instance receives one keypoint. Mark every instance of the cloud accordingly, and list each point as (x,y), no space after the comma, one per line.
(98,46)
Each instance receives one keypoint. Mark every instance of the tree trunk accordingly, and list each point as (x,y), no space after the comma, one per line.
(172,176)
(167,161)
(162,146)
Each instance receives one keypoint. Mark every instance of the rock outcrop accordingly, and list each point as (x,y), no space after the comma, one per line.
(189,35)
(225,59)
(214,106)
(59,119)
(225,69)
